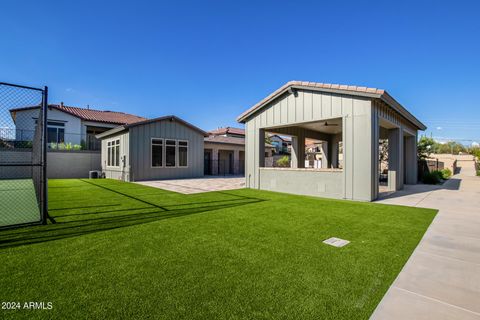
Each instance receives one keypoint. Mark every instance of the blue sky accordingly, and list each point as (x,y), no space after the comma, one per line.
(208,61)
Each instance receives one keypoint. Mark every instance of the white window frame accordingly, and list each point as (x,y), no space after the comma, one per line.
(178,153)
(111,145)
(151,153)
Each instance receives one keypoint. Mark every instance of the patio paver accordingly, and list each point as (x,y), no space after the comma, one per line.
(199,185)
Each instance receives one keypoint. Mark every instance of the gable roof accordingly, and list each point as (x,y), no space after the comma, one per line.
(334,88)
(227,130)
(120,129)
(113,117)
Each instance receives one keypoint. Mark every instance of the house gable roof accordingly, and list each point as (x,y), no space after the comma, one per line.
(373,93)
(112,117)
(120,129)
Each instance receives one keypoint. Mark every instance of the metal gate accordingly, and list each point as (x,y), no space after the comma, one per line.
(23,155)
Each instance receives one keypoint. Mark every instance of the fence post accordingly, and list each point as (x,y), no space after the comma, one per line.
(44,156)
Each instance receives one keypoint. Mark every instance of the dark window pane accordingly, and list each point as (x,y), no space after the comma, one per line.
(109,154)
(61,135)
(182,143)
(157,141)
(182,156)
(52,135)
(170,155)
(117,155)
(157,153)
(54,123)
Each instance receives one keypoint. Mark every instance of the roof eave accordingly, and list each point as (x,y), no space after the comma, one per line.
(111,132)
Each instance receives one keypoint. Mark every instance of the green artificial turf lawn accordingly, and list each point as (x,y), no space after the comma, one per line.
(121,250)
(18,202)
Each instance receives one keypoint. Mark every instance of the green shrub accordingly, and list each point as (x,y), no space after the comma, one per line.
(446,173)
(478,173)
(439,174)
(283,162)
(433,177)
(77,147)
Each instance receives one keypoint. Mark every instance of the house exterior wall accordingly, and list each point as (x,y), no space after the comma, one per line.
(140,151)
(216,155)
(308,106)
(25,122)
(123,171)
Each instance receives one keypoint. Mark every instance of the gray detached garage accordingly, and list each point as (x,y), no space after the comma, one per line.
(161,148)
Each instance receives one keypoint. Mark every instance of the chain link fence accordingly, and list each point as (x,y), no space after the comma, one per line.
(23,184)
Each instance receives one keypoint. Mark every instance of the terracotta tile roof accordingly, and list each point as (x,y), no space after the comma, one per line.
(99,115)
(227,140)
(113,117)
(340,88)
(227,130)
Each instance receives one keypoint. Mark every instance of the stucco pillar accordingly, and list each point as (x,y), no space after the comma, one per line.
(395,159)
(298,151)
(261,148)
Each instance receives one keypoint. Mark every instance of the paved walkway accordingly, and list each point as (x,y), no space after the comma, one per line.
(207,184)
(441,280)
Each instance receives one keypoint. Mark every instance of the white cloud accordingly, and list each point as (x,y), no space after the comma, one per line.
(439,128)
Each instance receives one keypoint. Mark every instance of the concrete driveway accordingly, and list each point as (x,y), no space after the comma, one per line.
(441,280)
(198,185)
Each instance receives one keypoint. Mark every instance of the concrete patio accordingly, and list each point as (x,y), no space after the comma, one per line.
(441,280)
(198,185)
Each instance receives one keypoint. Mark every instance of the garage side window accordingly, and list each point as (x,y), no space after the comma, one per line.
(113,153)
(170,153)
(157,152)
(182,153)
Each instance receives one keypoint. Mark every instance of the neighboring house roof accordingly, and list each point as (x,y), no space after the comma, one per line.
(227,130)
(284,139)
(334,88)
(229,140)
(113,117)
(128,126)
(226,140)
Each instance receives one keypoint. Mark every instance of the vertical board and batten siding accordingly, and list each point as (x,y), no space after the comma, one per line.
(122,172)
(308,106)
(140,150)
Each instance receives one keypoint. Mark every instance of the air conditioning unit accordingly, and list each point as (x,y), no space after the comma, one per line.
(95,174)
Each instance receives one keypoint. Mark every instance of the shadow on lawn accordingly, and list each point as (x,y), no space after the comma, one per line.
(75,228)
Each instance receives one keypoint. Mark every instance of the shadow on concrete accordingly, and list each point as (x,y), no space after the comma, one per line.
(413,189)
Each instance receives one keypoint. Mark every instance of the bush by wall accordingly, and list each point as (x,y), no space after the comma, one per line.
(433,177)
(446,173)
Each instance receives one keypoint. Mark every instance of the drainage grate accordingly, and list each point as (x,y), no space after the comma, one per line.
(336,242)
